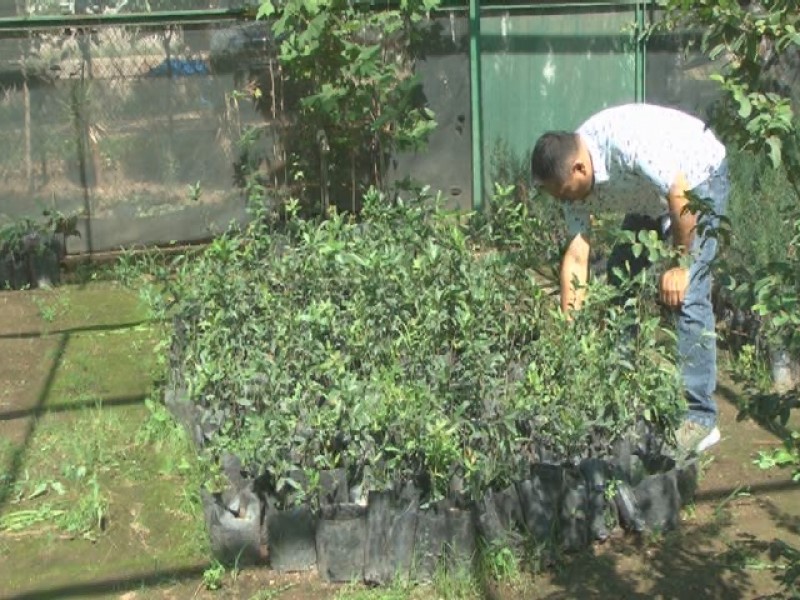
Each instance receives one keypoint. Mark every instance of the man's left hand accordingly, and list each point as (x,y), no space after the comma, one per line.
(673,287)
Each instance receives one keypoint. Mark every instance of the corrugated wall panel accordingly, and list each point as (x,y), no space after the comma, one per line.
(550,69)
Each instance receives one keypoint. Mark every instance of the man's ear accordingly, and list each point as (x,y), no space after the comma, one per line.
(580,166)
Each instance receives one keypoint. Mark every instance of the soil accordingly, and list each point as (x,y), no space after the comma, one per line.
(69,351)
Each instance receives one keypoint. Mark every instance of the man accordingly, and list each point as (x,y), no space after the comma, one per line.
(645,161)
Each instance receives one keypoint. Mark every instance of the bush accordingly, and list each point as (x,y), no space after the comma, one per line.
(760,198)
(30,250)
(405,347)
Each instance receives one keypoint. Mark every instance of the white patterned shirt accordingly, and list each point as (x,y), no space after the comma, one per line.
(637,152)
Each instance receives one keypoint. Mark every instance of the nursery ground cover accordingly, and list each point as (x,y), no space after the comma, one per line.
(91,497)
(64,427)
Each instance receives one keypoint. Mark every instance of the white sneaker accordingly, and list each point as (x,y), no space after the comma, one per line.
(692,438)
(708,441)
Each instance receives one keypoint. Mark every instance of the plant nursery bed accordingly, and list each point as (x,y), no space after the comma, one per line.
(380,536)
(390,395)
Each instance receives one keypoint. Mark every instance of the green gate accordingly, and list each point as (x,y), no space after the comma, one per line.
(546,66)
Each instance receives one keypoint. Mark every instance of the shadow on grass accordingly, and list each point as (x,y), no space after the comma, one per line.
(716,494)
(114,585)
(18,456)
(23,335)
(40,409)
(785,521)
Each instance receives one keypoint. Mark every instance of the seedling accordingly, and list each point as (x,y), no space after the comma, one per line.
(408,343)
(214,576)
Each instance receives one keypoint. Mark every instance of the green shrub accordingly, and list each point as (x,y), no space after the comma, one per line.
(760,199)
(27,236)
(405,348)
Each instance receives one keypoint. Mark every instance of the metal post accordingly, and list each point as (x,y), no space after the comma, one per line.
(475,103)
(639,49)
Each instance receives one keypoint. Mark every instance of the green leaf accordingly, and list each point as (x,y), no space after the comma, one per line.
(745,107)
(266,9)
(775,150)
(39,490)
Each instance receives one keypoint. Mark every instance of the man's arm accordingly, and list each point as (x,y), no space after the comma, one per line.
(683,223)
(574,272)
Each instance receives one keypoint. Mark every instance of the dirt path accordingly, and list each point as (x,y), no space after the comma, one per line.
(73,361)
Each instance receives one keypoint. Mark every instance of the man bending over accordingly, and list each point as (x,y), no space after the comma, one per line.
(643,161)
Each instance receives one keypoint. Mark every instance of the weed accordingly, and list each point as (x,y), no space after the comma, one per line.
(458,584)
(721,509)
(172,455)
(704,462)
(789,455)
(500,563)
(653,537)
(51,306)
(610,490)
(271,594)
(214,576)
(395,591)
(8,451)
(748,363)
(61,483)
(19,520)
(87,516)
(46,311)
(168,438)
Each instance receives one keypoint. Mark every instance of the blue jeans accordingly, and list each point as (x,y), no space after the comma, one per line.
(695,323)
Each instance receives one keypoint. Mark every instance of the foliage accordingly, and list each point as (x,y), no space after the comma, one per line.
(760,207)
(755,115)
(26,236)
(778,295)
(404,348)
(777,299)
(512,224)
(761,198)
(360,99)
(500,563)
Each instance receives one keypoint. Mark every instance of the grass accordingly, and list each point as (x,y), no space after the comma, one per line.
(51,305)
(104,463)
(107,468)
(105,366)
(444,587)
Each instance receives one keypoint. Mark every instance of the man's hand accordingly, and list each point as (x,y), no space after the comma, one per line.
(574,272)
(672,290)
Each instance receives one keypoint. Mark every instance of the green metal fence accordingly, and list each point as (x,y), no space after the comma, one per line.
(134,120)
(550,66)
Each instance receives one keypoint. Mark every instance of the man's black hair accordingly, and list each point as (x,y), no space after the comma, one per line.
(550,159)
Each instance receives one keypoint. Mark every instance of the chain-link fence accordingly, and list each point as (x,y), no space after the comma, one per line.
(144,126)
(135,126)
